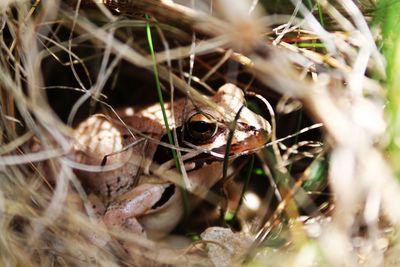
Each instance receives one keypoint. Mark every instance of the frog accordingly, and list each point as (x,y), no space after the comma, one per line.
(123,150)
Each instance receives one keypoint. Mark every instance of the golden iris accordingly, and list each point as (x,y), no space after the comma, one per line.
(201,127)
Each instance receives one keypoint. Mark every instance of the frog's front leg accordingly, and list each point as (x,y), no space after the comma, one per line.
(149,209)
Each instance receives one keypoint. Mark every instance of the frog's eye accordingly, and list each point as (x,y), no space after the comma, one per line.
(201,127)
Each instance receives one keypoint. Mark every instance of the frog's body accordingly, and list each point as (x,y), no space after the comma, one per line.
(135,198)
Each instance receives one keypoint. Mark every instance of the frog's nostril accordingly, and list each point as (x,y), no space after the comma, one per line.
(166,195)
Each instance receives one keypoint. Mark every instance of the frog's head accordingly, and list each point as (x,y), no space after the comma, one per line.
(208,127)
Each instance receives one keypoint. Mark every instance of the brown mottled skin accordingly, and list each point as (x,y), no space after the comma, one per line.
(134,198)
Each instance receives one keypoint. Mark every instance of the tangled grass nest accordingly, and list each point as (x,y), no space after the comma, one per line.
(322,192)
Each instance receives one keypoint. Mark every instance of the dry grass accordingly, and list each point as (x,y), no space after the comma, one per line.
(331,196)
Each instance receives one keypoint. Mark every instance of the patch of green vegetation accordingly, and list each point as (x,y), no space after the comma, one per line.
(310,45)
(388,20)
(318,172)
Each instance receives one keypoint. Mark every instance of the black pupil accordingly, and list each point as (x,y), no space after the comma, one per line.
(201,126)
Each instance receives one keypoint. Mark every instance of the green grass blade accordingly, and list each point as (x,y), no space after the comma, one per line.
(320,14)
(164,113)
(232,128)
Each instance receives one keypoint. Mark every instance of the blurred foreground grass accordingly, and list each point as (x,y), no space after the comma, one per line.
(326,185)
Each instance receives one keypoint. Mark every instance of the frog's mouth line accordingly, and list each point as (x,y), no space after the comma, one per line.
(257,139)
